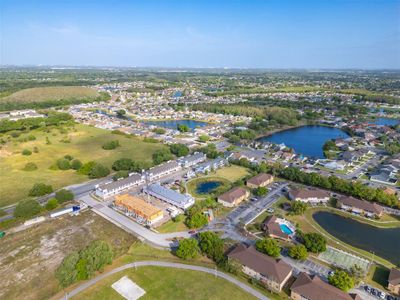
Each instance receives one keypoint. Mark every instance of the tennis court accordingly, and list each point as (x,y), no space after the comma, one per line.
(343,259)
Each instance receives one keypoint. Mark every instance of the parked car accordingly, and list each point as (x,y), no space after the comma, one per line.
(192,232)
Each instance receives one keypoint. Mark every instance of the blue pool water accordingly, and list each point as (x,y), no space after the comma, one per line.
(306,140)
(285,229)
(172,124)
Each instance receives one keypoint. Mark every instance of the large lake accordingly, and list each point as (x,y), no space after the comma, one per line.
(384,242)
(306,140)
(385,121)
(172,124)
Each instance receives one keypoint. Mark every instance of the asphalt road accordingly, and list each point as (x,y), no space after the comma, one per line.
(216,273)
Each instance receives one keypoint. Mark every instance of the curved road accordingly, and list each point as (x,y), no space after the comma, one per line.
(236,282)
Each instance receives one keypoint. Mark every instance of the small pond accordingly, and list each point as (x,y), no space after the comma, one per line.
(207,187)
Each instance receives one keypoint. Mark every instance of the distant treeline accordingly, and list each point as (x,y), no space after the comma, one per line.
(14,105)
(52,118)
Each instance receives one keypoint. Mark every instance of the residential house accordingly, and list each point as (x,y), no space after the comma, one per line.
(311,195)
(214,164)
(183,201)
(273,228)
(162,170)
(272,273)
(260,180)
(358,206)
(394,281)
(115,187)
(313,288)
(234,197)
(192,160)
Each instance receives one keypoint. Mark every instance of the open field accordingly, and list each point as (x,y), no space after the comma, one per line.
(167,283)
(85,143)
(232,173)
(51,93)
(29,258)
(172,226)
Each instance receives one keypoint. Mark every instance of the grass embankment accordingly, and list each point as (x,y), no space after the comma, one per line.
(42,97)
(84,143)
(29,258)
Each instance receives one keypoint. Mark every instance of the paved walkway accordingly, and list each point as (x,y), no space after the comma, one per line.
(216,273)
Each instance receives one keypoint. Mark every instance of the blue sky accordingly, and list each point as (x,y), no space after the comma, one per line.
(244,34)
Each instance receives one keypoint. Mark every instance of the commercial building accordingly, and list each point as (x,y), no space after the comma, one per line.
(142,211)
(183,201)
(309,195)
(313,288)
(277,228)
(272,273)
(260,180)
(162,170)
(394,281)
(358,206)
(233,197)
(112,188)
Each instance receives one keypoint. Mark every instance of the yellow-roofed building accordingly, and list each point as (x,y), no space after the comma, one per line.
(138,208)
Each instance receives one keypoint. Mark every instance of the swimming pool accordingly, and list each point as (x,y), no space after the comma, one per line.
(286,229)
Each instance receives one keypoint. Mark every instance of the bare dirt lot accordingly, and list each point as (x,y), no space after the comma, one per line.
(29,258)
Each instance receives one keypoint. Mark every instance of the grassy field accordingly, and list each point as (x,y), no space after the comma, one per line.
(51,93)
(29,258)
(167,283)
(232,173)
(172,226)
(85,144)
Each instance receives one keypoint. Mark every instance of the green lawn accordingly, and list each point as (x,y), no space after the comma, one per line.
(232,173)
(85,144)
(172,226)
(168,283)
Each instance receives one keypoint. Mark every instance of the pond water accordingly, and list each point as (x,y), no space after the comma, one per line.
(385,121)
(384,242)
(172,124)
(306,140)
(207,187)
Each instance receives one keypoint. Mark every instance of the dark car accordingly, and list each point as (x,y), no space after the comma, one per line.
(192,232)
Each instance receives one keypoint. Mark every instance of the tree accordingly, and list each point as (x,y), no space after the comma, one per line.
(30,167)
(211,245)
(179,149)
(260,191)
(99,171)
(111,145)
(40,189)
(161,155)
(196,220)
(314,242)
(188,248)
(120,174)
(122,164)
(298,207)
(64,195)
(120,113)
(159,130)
(298,252)
(67,273)
(27,208)
(76,164)
(269,247)
(341,280)
(51,204)
(182,128)
(69,157)
(63,164)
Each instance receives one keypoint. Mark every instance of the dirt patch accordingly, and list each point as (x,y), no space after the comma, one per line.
(29,258)
(5,153)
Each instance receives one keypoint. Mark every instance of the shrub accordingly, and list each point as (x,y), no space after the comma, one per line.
(341,280)
(122,164)
(40,189)
(76,164)
(188,248)
(26,152)
(64,195)
(298,252)
(63,164)
(68,157)
(120,174)
(260,191)
(51,204)
(35,149)
(86,167)
(30,167)
(111,145)
(27,209)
